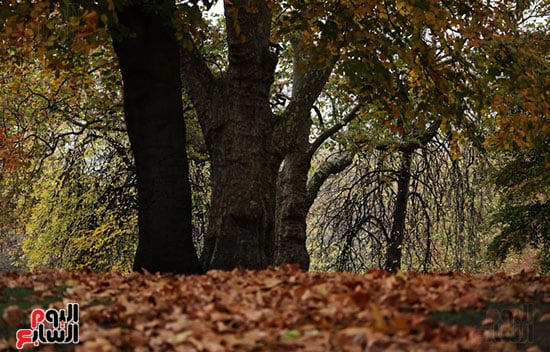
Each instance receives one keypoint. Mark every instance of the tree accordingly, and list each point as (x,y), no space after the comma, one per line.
(152,94)
(519,92)
(77,220)
(239,129)
(413,60)
(393,71)
(524,212)
(426,73)
(148,54)
(73,203)
(350,226)
(412,65)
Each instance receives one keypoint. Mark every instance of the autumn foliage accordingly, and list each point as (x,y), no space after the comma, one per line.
(285,309)
(454,74)
(12,157)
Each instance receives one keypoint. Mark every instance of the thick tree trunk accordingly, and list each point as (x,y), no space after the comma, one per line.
(395,244)
(247,144)
(241,222)
(149,59)
(292,196)
(293,206)
(238,125)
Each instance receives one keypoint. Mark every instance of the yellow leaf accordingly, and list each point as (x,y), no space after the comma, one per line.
(380,323)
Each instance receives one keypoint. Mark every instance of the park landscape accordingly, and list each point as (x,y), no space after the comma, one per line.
(253,175)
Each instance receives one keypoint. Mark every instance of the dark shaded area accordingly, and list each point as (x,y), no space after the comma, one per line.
(148,54)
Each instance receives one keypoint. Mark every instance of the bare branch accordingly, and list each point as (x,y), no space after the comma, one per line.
(331,131)
(319,116)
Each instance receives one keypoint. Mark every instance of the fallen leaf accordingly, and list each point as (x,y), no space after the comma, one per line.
(12,316)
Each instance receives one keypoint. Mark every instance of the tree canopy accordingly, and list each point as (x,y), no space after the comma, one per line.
(286,94)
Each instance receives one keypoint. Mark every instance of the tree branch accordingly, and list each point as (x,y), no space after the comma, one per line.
(331,131)
(309,80)
(198,81)
(418,140)
(319,116)
(331,166)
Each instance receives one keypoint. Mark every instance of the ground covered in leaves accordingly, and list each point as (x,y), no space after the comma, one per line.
(286,310)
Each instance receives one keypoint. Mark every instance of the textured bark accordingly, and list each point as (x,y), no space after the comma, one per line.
(148,59)
(395,244)
(292,204)
(294,195)
(247,143)
(238,125)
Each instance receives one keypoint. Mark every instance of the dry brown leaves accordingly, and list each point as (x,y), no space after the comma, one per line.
(275,310)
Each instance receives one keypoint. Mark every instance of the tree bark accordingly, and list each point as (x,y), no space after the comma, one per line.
(292,205)
(238,125)
(149,61)
(395,244)
(292,202)
(332,166)
(294,195)
(247,142)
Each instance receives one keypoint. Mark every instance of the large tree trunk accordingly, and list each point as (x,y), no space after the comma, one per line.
(292,204)
(292,195)
(241,221)
(238,125)
(149,62)
(395,244)
(247,144)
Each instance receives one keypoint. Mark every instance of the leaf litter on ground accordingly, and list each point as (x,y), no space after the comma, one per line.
(284,309)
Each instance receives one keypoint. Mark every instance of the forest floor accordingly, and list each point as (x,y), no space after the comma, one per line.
(280,310)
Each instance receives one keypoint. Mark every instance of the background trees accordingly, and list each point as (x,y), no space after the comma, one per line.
(524,210)
(351,225)
(285,100)
(72,200)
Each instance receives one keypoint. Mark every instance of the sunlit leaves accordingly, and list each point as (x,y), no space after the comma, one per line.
(422,61)
(82,220)
(60,100)
(520,91)
(53,29)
